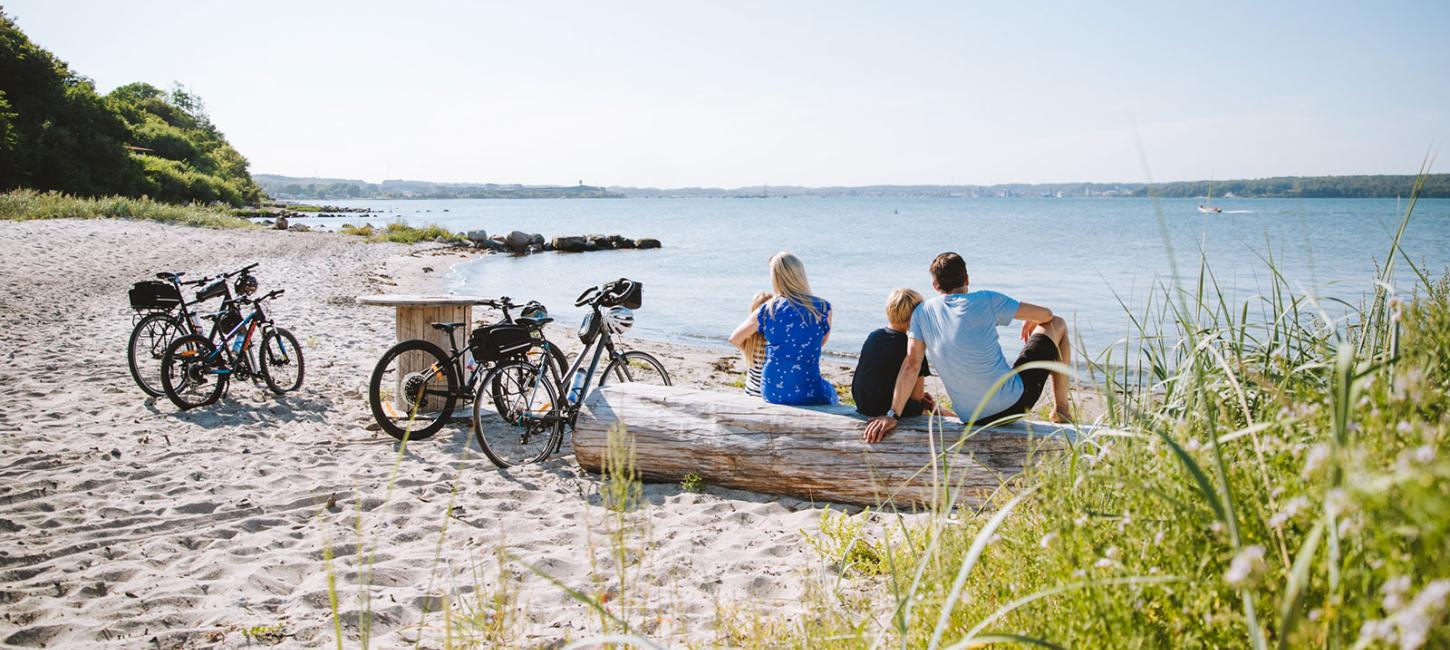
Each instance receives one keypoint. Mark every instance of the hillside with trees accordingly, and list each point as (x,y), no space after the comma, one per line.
(57,133)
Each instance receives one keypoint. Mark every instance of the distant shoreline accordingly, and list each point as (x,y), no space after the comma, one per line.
(294,188)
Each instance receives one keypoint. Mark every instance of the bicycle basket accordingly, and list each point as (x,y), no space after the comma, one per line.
(213,290)
(501,341)
(154,294)
(631,299)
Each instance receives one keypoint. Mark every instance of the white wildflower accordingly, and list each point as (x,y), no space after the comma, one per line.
(1336,502)
(1317,455)
(1217,527)
(1081,520)
(1424,454)
(1111,553)
(1158,537)
(1193,445)
(1126,521)
(1047,539)
(1290,510)
(1404,427)
(1103,563)
(1415,622)
(1394,590)
(1315,614)
(1245,566)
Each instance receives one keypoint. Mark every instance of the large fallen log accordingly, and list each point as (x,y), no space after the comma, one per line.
(816,453)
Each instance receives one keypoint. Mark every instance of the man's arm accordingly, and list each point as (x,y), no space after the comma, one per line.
(1031,316)
(906,379)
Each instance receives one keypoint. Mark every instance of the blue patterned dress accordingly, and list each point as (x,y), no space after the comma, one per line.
(793,339)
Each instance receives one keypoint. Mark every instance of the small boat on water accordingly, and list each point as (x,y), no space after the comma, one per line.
(1209,209)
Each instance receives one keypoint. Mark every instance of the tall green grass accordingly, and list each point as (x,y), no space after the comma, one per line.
(25,205)
(401,233)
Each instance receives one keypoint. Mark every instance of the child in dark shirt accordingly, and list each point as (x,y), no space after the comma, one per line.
(881,358)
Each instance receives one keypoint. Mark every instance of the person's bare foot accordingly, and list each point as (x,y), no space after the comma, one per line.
(1061,417)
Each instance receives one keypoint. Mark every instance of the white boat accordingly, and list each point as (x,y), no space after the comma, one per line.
(1209,209)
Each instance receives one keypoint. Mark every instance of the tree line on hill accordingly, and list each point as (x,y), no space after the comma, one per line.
(1308,187)
(58,133)
(295,187)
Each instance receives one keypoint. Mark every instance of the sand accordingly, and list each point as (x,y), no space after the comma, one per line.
(126,523)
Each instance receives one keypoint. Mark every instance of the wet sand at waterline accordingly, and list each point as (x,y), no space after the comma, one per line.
(123,519)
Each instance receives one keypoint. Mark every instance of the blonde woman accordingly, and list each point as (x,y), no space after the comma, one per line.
(796,325)
(754,349)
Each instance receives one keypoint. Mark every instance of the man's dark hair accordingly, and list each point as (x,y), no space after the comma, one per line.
(950,271)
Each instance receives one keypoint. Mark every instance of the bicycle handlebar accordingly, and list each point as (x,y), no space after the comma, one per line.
(596,294)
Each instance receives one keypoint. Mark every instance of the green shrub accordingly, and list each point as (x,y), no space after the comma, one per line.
(24,205)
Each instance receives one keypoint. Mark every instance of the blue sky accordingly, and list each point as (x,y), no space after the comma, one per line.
(808,93)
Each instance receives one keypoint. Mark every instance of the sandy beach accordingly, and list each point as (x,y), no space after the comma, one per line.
(126,523)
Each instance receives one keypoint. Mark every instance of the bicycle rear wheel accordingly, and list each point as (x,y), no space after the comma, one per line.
(189,374)
(148,343)
(532,424)
(635,367)
(413,390)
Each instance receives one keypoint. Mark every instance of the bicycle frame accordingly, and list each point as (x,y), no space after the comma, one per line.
(223,352)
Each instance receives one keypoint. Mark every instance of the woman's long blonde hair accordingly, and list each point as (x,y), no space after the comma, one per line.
(754,347)
(788,278)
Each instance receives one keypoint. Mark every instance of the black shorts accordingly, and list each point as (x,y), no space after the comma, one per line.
(1039,348)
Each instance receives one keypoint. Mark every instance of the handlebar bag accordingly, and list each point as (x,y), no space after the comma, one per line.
(631,299)
(154,294)
(213,290)
(499,341)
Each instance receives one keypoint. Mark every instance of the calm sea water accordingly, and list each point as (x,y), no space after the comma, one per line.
(1072,255)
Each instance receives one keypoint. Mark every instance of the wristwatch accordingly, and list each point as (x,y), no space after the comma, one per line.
(891,413)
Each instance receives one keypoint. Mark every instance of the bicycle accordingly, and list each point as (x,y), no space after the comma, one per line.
(416,385)
(535,412)
(168,316)
(194,371)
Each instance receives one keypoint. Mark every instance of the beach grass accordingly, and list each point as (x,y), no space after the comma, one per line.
(26,205)
(401,233)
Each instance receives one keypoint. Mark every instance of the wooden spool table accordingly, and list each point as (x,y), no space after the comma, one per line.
(417,313)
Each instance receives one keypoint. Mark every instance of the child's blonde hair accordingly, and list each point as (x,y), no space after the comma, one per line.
(754,346)
(900,304)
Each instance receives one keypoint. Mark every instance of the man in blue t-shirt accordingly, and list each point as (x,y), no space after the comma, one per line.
(957,332)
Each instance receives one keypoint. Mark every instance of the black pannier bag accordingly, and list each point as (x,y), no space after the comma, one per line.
(631,299)
(213,290)
(501,341)
(154,294)
(228,321)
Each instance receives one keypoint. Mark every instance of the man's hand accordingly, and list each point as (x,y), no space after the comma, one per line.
(1027,327)
(878,427)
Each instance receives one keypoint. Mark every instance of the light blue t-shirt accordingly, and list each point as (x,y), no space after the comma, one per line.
(960,333)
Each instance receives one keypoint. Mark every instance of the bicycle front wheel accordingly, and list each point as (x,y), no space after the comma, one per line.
(635,367)
(281,360)
(528,396)
(413,390)
(190,374)
(148,342)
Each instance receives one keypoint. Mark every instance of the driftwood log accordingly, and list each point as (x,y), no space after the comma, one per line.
(816,452)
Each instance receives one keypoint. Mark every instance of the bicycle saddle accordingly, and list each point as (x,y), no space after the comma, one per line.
(447,327)
(167,275)
(529,321)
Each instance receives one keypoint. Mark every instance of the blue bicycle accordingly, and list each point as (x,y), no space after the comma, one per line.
(194,372)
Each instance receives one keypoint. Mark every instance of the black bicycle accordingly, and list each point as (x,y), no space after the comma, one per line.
(194,371)
(164,315)
(534,408)
(416,385)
